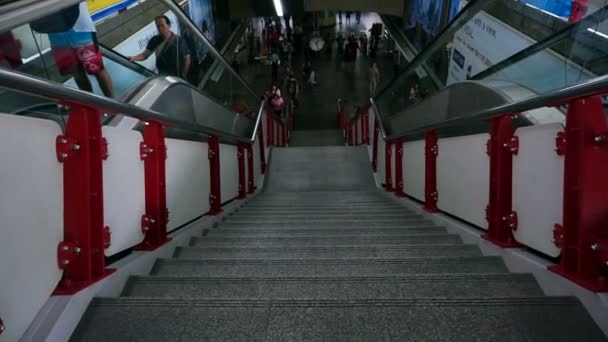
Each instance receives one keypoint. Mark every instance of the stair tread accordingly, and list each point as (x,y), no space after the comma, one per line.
(403,319)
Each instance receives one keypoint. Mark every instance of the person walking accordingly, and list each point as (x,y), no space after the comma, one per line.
(274,58)
(348,18)
(340,18)
(374,79)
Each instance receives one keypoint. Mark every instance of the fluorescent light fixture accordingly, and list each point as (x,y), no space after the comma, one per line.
(278,7)
(603,35)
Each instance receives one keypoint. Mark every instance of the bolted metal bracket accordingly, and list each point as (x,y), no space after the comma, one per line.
(560,143)
(65,147)
(558,235)
(66,253)
(146,223)
(210,154)
(104,149)
(512,145)
(144,151)
(107,237)
(511,220)
(434,150)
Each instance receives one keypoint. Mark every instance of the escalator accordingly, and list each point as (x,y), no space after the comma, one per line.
(522,62)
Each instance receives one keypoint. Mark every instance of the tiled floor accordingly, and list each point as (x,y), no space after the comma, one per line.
(317,108)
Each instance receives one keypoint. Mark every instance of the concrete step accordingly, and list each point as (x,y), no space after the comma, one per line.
(328,224)
(269,232)
(321,205)
(322,219)
(324,212)
(352,288)
(322,253)
(415,319)
(332,225)
(328,268)
(325,240)
(334,214)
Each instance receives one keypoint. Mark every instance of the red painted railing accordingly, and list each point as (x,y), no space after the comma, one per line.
(583,234)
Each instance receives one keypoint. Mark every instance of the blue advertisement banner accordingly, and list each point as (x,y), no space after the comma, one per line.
(561,8)
(428,14)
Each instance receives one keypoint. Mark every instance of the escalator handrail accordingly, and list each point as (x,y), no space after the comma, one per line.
(582,25)
(596,86)
(16,14)
(125,62)
(23,83)
(460,20)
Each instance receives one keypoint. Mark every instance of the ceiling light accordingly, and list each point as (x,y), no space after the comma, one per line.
(278,7)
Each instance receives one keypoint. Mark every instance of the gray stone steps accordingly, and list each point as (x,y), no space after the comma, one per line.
(332,252)
(322,218)
(320,212)
(334,268)
(329,224)
(353,288)
(328,240)
(407,319)
(278,232)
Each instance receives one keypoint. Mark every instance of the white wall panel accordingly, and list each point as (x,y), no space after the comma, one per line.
(229,168)
(463,171)
(124,189)
(187,181)
(414,168)
(538,181)
(31,219)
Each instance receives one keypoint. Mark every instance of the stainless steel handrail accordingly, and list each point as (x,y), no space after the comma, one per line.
(14,15)
(16,81)
(595,86)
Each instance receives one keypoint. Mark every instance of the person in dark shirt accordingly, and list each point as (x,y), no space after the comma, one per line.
(172,53)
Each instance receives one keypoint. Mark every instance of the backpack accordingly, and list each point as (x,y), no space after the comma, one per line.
(276,102)
(61,21)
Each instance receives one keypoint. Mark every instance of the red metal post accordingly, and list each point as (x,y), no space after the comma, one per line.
(501,218)
(356,129)
(388,178)
(399,168)
(262,149)
(153,152)
(430,177)
(375,146)
(584,236)
(348,135)
(240,155)
(215,193)
(366,126)
(270,126)
(82,150)
(285,133)
(250,170)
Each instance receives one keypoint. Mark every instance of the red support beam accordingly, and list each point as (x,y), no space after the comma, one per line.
(501,218)
(399,168)
(250,170)
(356,129)
(153,152)
(388,178)
(270,127)
(215,193)
(366,139)
(262,149)
(285,132)
(583,237)
(82,150)
(375,146)
(349,139)
(430,178)
(240,155)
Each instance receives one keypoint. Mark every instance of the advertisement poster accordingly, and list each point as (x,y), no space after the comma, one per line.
(428,14)
(201,13)
(486,41)
(102,8)
(561,8)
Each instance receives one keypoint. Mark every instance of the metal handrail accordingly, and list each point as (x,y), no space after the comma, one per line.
(23,83)
(17,14)
(596,86)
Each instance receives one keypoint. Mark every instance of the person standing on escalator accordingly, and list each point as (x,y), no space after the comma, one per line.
(172,53)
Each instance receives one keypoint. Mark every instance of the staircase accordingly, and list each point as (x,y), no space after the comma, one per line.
(336,261)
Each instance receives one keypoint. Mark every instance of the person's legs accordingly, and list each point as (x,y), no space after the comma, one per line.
(82,80)
(105,83)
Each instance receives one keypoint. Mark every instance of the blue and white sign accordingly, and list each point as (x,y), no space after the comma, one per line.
(561,8)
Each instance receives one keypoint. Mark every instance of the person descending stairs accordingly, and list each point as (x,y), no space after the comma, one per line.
(322,255)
